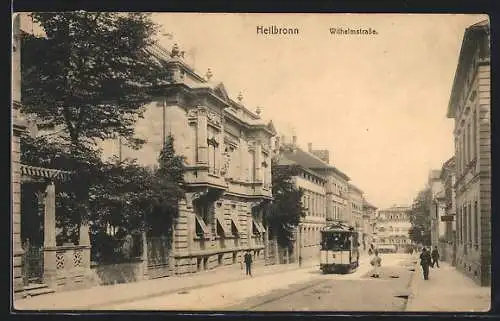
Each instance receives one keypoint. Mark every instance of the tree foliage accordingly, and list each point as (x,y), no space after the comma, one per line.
(54,152)
(420,231)
(166,190)
(91,74)
(283,214)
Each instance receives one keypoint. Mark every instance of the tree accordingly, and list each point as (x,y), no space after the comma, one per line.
(420,231)
(283,214)
(91,74)
(54,152)
(166,191)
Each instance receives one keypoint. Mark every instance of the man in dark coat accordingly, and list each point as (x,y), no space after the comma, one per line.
(435,257)
(425,261)
(248,263)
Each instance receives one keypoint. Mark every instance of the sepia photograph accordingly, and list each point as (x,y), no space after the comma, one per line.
(243,162)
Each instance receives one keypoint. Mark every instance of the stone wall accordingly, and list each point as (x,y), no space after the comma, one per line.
(17,256)
(106,274)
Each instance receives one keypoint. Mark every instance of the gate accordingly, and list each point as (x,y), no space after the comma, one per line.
(32,263)
(158,257)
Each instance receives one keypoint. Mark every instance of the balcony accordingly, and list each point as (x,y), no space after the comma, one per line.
(202,175)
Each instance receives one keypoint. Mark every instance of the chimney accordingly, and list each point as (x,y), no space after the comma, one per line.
(294,140)
(310,147)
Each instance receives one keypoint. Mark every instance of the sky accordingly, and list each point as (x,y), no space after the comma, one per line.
(377,102)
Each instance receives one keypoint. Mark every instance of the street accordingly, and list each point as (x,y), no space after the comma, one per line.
(305,289)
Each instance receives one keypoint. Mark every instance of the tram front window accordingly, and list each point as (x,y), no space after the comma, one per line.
(335,242)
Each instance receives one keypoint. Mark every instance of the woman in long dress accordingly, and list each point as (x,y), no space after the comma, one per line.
(376,263)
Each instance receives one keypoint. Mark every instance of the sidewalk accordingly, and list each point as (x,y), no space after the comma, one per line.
(447,290)
(96,297)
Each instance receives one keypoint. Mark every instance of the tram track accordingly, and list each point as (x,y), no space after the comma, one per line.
(282,295)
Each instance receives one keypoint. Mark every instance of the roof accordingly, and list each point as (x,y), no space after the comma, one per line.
(368,204)
(355,188)
(396,208)
(338,226)
(164,56)
(284,161)
(310,161)
(463,60)
(448,166)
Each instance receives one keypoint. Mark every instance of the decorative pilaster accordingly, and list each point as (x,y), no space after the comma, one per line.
(258,163)
(85,250)
(202,136)
(49,226)
(49,236)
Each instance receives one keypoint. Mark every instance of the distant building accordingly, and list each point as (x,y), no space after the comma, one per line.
(326,195)
(314,200)
(469,105)
(448,244)
(437,209)
(355,211)
(393,226)
(337,192)
(369,224)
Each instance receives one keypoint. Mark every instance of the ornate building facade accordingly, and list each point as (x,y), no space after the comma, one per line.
(336,188)
(469,105)
(437,209)
(448,243)
(369,224)
(355,211)
(393,225)
(314,200)
(227,150)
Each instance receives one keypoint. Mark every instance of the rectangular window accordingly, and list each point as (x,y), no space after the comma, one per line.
(222,229)
(476,221)
(252,167)
(469,137)
(469,225)
(474,134)
(458,153)
(459,225)
(464,155)
(464,224)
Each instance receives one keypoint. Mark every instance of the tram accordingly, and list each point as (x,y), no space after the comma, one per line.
(339,248)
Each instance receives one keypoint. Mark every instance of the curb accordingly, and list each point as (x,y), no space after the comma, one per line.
(173,291)
(411,286)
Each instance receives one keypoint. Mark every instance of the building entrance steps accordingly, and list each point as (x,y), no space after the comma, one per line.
(95,297)
(447,290)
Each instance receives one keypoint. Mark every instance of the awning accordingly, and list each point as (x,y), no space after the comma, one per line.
(223,227)
(235,226)
(41,172)
(258,227)
(201,224)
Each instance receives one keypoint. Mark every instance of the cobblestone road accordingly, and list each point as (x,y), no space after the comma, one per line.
(253,293)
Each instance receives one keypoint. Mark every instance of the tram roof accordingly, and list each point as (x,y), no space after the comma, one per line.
(338,227)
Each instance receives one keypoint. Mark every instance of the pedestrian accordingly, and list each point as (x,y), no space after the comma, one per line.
(425,261)
(376,263)
(248,263)
(435,257)
(300,260)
